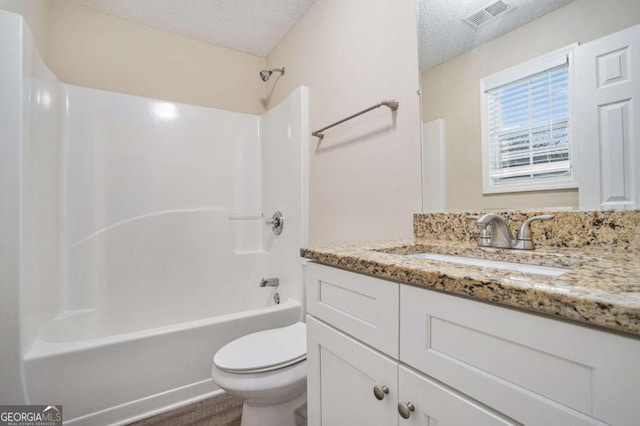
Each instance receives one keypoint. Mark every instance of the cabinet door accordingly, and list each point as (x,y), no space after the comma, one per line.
(536,370)
(341,379)
(435,404)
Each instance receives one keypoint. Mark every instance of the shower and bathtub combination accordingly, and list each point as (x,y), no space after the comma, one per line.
(134,238)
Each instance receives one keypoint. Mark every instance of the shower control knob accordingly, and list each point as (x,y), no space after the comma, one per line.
(276,222)
(405,409)
(380,392)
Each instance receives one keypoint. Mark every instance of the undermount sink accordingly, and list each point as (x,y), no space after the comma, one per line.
(509,266)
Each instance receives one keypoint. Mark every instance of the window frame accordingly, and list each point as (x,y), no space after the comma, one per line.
(510,75)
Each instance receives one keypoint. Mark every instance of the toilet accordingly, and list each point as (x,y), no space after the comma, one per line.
(268,370)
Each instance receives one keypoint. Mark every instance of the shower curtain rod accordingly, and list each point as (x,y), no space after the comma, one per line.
(392,104)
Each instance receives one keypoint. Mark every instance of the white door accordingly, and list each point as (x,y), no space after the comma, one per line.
(341,379)
(435,404)
(606,122)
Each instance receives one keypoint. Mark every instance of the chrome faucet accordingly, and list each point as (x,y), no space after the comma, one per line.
(269,282)
(494,232)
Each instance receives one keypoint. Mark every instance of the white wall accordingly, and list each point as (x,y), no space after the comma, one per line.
(29,207)
(365,176)
(128,156)
(41,204)
(12,391)
(433,166)
(285,157)
(163,207)
(149,188)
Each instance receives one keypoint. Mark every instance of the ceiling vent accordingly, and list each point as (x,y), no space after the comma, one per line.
(486,13)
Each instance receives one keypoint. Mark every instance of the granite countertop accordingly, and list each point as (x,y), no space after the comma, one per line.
(602,286)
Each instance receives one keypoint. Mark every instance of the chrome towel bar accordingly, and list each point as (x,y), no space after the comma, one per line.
(392,104)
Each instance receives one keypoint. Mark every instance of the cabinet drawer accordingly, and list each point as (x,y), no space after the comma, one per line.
(534,369)
(361,306)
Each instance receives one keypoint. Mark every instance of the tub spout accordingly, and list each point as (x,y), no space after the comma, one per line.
(269,282)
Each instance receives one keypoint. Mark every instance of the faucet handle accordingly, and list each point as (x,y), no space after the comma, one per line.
(484,239)
(524,233)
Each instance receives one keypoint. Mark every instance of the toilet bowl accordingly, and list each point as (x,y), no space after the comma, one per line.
(268,370)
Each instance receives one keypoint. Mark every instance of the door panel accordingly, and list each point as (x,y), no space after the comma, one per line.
(438,405)
(606,121)
(342,375)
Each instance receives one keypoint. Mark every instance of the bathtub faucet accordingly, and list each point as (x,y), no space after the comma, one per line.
(269,282)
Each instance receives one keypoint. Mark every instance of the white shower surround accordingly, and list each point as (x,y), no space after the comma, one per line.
(155,212)
(150,188)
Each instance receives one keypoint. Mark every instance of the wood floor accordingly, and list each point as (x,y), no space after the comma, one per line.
(222,410)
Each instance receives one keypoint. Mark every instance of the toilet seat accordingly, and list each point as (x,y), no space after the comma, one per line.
(263,351)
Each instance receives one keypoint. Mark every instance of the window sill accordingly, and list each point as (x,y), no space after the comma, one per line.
(529,187)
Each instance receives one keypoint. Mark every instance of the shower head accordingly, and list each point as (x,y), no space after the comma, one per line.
(266,74)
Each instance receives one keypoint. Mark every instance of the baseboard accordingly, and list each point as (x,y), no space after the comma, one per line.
(150,406)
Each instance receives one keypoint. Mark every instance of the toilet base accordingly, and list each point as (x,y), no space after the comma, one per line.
(272,415)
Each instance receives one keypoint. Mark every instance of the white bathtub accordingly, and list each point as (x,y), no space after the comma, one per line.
(105,378)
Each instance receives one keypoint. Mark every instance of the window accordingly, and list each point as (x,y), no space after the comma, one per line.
(526,126)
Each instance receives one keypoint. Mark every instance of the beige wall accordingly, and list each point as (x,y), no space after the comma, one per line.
(92,49)
(37,14)
(365,175)
(445,85)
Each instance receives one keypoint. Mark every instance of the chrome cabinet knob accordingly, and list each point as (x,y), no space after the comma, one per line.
(405,409)
(380,392)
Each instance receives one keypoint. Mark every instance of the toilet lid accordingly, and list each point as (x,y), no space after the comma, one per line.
(265,350)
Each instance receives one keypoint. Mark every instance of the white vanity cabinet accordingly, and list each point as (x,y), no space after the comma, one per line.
(344,373)
(456,361)
(354,376)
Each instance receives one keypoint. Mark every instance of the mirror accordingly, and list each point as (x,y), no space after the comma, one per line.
(455,55)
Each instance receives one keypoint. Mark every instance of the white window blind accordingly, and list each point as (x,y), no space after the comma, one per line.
(528,126)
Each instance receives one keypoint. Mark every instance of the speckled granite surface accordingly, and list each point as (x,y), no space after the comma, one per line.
(600,249)
(613,230)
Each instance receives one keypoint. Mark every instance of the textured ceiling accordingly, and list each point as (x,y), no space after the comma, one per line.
(257,26)
(443,35)
(251,26)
